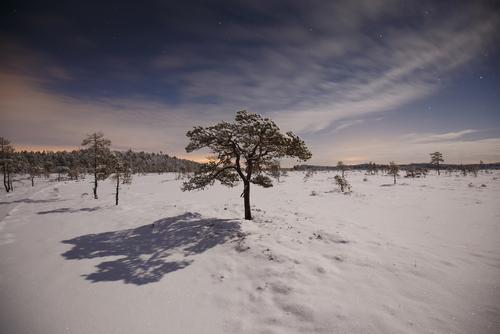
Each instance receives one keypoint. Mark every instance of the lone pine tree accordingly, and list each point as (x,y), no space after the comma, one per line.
(99,153)
(244,150)
(436,158)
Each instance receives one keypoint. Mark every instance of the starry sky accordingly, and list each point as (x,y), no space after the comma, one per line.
(372,80)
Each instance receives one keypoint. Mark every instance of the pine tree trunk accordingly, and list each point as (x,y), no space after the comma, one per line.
(95,185)
(95,166)
(117,188)
(9,180)
(5,183)
(394,178)
(246,197)
(32,181)
(438,168)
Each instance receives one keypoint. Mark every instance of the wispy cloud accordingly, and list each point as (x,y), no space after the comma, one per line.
(309,77)
(438,137)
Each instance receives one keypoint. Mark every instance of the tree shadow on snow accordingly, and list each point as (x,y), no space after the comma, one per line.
(27,200)
(148,252)
(68,210)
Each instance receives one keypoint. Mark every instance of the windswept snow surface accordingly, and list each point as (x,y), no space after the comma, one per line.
(419,257)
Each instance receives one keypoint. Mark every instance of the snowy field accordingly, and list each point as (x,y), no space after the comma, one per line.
(419,257)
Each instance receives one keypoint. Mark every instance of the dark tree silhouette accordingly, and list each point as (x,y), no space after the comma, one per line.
(244,150)
(372,168)
(98,149)
(436,158)
(121,174)
(34,171)
(342,183)
(342,167)
(6,161)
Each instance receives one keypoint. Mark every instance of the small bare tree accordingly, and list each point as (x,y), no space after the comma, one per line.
(342,167)
(393,170)
(121,173)
(436,158)
(34,170)
(61,170)
(244,150)
(98,149)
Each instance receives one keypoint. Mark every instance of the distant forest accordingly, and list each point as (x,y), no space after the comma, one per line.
(81,160)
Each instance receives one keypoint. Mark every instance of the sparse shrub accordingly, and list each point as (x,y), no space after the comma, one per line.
(309,174)
(74,172)
(412,172)
(474,170)
(365,179)
(342,183)
(314,193)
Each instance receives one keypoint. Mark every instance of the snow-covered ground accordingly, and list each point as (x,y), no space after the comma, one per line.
(419,257)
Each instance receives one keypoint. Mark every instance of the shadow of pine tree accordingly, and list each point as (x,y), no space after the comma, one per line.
(146,253)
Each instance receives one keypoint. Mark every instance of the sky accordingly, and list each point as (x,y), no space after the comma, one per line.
(359,81)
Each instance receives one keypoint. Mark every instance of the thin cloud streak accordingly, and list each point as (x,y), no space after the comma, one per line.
(439,137)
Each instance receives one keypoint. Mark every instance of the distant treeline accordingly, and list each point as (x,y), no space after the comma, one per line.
(373,166)
(81,160)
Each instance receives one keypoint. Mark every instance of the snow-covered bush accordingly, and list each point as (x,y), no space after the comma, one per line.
(342,183)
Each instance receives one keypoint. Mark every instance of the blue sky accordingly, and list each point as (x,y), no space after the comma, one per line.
(358,80)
